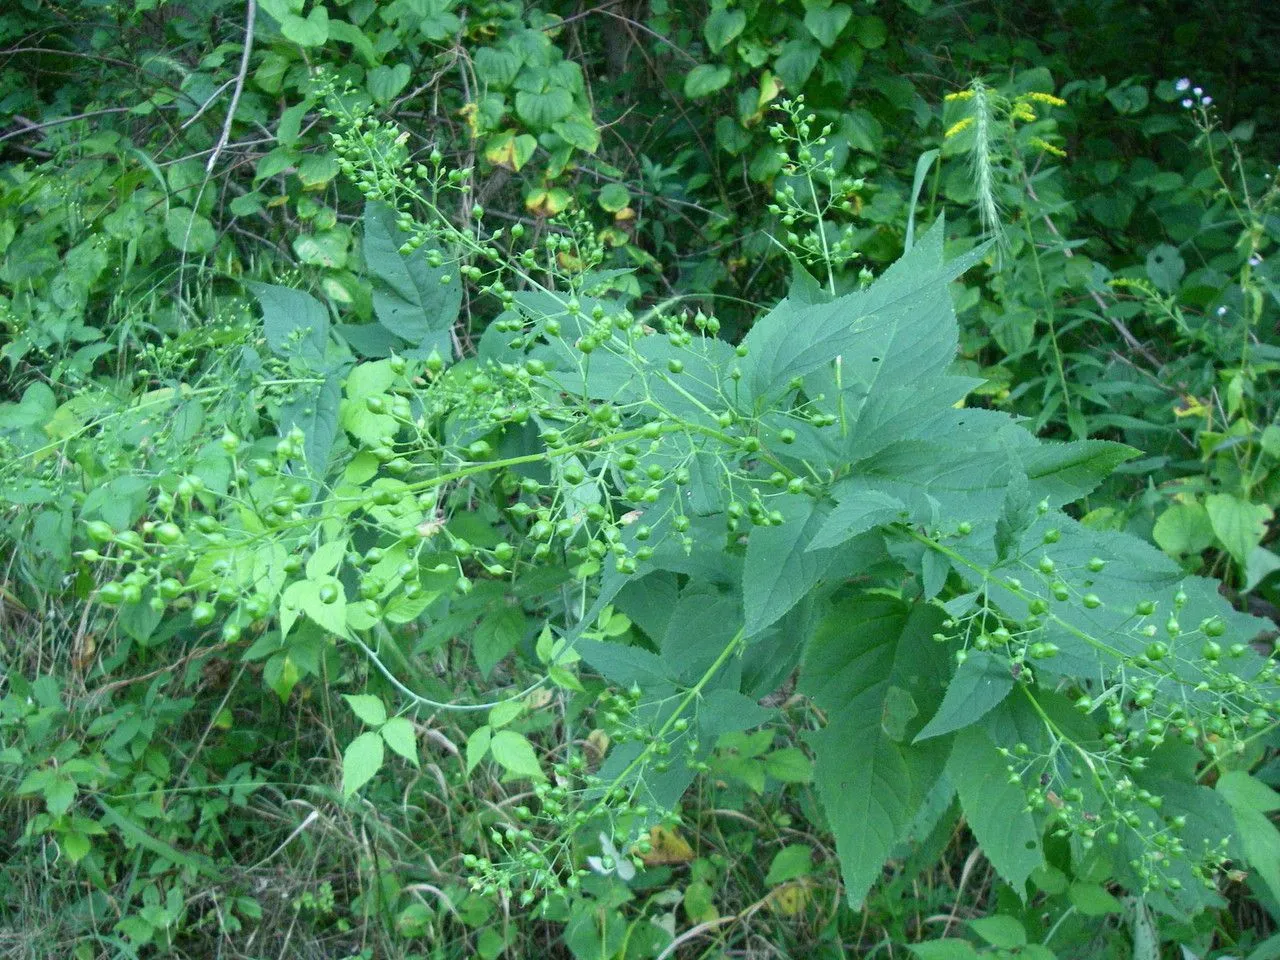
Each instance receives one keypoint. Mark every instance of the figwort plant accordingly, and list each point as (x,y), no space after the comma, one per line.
(814,499)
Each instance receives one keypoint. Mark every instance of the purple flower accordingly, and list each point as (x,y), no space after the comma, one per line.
(1206,100)
(1182,84)
(1188,103)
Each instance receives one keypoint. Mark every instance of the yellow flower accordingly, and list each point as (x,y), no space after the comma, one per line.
(959,95)
(956,128)
(1023,112)
(1048,98)
(1047,147)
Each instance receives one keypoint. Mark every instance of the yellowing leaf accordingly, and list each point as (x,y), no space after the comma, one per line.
(667,846)
(548,203)
(791,898)
(510,150)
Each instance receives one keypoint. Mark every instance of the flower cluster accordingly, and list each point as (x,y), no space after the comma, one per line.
(1183,85)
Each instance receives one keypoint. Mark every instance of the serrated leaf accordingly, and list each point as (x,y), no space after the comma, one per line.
(979,684)
(399,735)
(515,753)
(994,808)
(871,785)
(496,636)
(409,298)
(859,509)
(295,322)
(368,708)
(780,568)
(360,761)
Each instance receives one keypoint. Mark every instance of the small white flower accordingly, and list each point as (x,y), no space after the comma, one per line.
(1206,100)
(1182,84)
(1255,260)
(1197,91)
(1222,311)
(1188,103)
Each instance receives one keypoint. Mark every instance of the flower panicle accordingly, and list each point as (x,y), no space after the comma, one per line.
(1046,147)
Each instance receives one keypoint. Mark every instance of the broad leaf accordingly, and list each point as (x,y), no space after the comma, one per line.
(296,323)
(979,684)
(360,761)
(780,567)
(871,784)
(410,297)
(995,808)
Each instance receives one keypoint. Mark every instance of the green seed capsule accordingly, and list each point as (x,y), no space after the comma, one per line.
(202,614)
(99,532)
(167,533)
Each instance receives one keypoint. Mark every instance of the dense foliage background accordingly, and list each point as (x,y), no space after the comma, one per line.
(277,271)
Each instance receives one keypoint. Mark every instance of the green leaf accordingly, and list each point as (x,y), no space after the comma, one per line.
(295,323)
(790,863)
(309,31)
(723,27)
(790,765)
(409,296)
(399,735)
(305,596)
(947,948)
(705,79)
(360,761)
(871,785)
(796,62)
(870,32)
(1238,524)
(994,808)
(1000,931)
(515,753)
(1183,528)
(496,636)
(579,132)
(188,231)
(368,708)
(478,747)
(614,197)
(860,508)
(980,683)
(496,66)
(1165,267)
(1092,900)
(1251,801)
(385,83)
(542,108)
(780,568)
(825,23)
